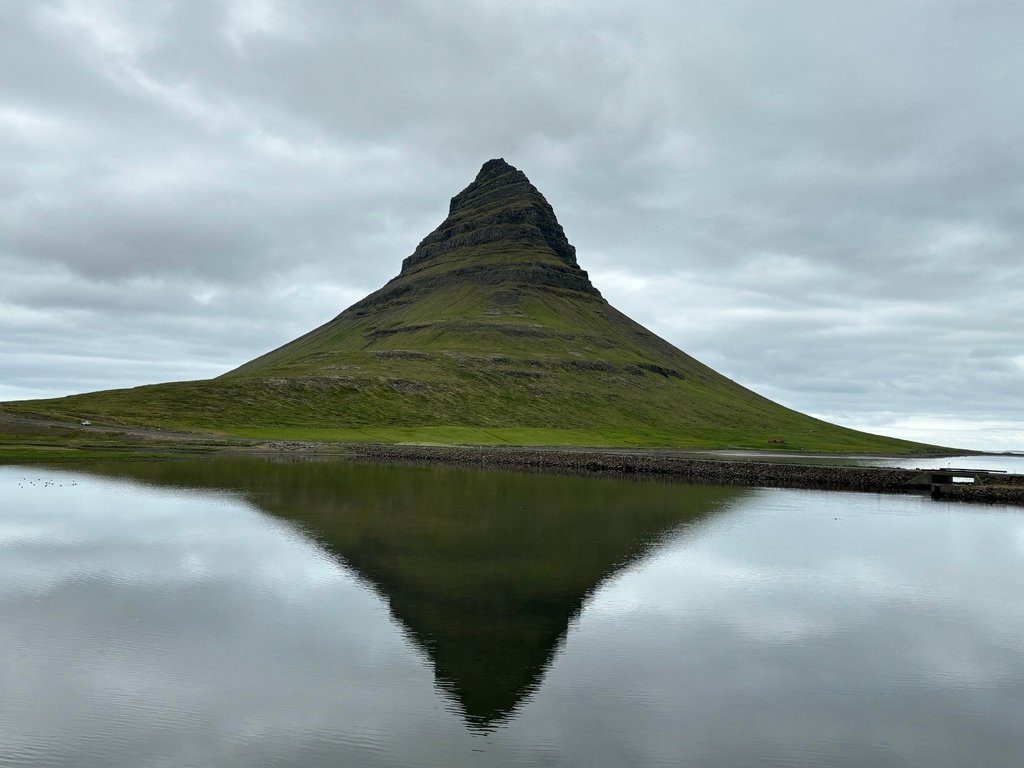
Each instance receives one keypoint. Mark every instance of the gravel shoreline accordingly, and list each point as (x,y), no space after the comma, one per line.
(1009,490)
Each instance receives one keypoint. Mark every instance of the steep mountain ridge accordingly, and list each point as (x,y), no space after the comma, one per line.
(501,238)
(500,204)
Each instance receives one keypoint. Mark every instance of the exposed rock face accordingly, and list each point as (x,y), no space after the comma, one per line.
(500,231)
(500,204)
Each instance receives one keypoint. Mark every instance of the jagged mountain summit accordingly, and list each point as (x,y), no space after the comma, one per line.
(500,204)
(486,275)
(490,333)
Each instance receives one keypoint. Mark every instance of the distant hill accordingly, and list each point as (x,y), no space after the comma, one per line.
(491,333)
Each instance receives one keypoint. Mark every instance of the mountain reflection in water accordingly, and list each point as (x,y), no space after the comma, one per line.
(484,570)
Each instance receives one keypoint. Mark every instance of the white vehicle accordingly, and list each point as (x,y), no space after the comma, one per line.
(86,423)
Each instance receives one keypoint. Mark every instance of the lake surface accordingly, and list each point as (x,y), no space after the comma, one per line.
(241,612)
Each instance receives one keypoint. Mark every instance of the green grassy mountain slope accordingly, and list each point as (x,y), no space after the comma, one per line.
(490,333)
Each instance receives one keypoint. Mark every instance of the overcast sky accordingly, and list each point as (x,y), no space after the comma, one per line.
(822,200)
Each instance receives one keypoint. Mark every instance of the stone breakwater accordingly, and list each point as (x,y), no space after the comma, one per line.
(707,471)
(1011,492)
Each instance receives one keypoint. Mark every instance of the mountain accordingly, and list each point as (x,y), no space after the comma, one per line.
(490,333)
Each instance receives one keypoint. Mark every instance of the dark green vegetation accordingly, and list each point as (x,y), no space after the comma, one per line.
(490,334)
(484,570)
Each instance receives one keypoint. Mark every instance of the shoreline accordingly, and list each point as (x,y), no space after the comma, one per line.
(688,468)
(736,467)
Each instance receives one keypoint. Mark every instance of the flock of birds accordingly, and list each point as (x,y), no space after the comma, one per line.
(42,483)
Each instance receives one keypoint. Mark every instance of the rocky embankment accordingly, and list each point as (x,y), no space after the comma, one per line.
(1009,490)
(710,471)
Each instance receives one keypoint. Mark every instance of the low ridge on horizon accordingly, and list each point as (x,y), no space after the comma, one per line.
(490,333)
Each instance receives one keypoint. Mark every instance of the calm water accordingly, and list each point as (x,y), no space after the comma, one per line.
(1014,464)
(247,613)
(1004,463)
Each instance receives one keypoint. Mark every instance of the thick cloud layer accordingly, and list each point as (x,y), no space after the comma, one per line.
(821,200)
